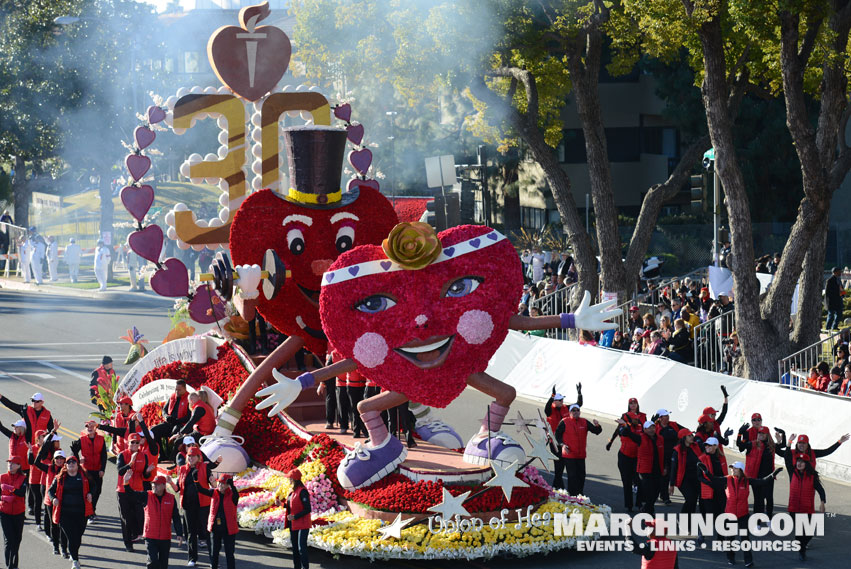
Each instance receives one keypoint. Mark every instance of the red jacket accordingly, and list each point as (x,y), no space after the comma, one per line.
(682,459)
(48,481)
(575,437)
(138,463)
(19,504)
(91,450)
(662,558)
(36,474)
(207,424)
(706,490)
(738,490)
(801,492)
(645,454)
(60,488)
(753,459)
(18,447)
(294,506)
(37,424)
(182,405)
(158,513)
(225,501)
(203,481)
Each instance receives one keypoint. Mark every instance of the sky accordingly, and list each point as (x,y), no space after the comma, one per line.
(161,4)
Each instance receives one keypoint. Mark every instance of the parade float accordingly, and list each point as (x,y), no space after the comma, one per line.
(304,250)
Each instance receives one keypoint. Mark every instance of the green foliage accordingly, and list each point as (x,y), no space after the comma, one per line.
(105,401)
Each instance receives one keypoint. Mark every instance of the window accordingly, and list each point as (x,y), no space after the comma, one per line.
(572,148)
(192,62)
(533,218)
(624,144)
(659,140)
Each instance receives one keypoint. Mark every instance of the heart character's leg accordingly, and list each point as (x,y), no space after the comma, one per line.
(367,464)
(490,444)
(433,430)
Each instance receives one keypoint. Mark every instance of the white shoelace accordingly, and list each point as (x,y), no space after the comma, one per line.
(360,452)
(438,426)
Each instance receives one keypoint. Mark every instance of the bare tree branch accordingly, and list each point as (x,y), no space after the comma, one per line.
(529,84)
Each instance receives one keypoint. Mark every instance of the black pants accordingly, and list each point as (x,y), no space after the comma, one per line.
(73,526)
(558,473)
(400,420)
(690,489)
(743,525)
(53,532)
(13,533)
(331,401)
(158,550)
(626,467)
(371,391)
(715,505)
(355,397)
(37,493)
(196,524)
(299,546)
(30,495)
(343,406)
(95,487)
(763,498)
(132,515)
(218,537)
(162,431)
(651,485)
(575,468)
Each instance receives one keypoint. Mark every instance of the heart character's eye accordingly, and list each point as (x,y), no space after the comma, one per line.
(463,286)
(295,241)
(345,238)
(375,304)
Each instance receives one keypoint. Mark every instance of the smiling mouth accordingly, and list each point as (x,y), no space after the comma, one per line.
(319,334)
(312,296)
(429,353)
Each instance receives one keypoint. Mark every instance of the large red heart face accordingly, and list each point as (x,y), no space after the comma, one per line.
(307,241)
(424,332)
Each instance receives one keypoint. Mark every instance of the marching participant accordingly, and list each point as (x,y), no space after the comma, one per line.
(711,500)
(161,512)
(759,462)
(555,410)
(54,534)
(683,470)
(12,507)
(669,431)
(90,449)
(572,434)
(803,446)
(35,416)
(123,423)
(657,553)
(298,519)
(650,465)
(737,488)
(803,484)
(132,468)
(19,444)
(628,452)
(195,504)
(72,505)
(711,413)
(222,523)
(37,476)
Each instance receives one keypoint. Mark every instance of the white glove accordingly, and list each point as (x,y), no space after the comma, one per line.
(249,280)
(281,395)
(594,318)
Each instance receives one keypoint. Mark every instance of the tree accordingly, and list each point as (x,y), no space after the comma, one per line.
(799,47)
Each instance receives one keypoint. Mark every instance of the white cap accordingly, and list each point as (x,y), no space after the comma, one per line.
(638,330)
(59,454)
(663,413)
(648,424)
(56,437)
(20,423)
(711,441)
(739,464)
(189,441)
(558,397)
(574,406)
(37,396)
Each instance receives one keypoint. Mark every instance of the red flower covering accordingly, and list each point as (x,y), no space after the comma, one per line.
(420,306)
(410,209)
(153,413)
(306,250)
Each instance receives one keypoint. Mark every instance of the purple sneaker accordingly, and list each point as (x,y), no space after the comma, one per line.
(364,465)
(439,433)
(503,450)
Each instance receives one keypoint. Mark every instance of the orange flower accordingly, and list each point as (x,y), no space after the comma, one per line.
(413,245)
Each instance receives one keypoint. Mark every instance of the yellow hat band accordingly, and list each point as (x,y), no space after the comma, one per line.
(319,199)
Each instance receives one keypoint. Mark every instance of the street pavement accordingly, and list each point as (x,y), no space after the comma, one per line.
(51,342)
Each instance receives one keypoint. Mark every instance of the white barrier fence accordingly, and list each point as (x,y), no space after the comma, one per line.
(610,377)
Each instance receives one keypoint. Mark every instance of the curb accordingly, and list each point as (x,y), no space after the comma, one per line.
(11,284)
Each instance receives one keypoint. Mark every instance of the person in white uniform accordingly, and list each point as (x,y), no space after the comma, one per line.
(538,260)
(39,249)
(72,259)
(102,257)
(25,248)
(53,258)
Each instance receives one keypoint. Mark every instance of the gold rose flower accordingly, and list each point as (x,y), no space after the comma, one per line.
(413,245)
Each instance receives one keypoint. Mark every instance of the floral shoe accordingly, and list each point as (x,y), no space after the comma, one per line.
(503,450)
(437,432)
(365,465)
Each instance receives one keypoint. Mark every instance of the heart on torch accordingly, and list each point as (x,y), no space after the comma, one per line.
(250,60)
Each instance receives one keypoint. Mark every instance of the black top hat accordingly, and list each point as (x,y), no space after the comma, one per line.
(315,157)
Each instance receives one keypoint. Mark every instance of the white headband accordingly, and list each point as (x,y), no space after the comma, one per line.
(387,266)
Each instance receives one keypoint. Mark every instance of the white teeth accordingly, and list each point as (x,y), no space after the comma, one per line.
(426,348)
(300,321)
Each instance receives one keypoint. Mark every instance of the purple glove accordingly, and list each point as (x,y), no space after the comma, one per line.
(567,320)
(307,380)
(8,488)
(8,498)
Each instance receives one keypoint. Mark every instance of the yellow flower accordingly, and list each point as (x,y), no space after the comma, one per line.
(413,245)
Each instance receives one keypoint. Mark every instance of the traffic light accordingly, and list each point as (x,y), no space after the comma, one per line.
(698,193)
(436,213)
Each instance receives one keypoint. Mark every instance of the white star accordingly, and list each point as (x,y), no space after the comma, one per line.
(451,506)
(506,479)
(540,450)
(395,529)
(521,424)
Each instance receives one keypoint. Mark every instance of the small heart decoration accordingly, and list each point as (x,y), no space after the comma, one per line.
(492,236)
(137,165)
(449,251)
(354,271)
(358,183)
(475,243)
(386,265)
(147,243)
(137,200)
(206,306)
(329,277)
(171,280)
(354,132)
(144,137)
(343,112)
(361,160)
(155,114)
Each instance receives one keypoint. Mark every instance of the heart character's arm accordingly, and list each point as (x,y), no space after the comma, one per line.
(586,317)
(281,395)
